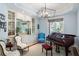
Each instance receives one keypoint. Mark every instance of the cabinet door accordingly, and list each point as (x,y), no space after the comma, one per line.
(11,23)
(33,26)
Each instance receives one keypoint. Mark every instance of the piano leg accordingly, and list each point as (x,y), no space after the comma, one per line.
(57,49)
(42,49)
(66,51)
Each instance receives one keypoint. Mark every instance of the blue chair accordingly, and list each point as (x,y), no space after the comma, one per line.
(41,37)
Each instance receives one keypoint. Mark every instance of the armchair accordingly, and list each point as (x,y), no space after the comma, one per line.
(20,45)
(4,52)
(41,37)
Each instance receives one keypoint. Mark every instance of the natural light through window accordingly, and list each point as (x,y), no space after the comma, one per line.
(56,26)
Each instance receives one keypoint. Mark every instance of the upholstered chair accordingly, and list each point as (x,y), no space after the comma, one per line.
(48,47)
(20,45)
(41,37)
(4,52)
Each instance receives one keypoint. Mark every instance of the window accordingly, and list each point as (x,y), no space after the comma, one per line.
(23,27)
(56,25)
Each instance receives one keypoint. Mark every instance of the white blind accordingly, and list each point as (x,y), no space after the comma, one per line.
(55,20)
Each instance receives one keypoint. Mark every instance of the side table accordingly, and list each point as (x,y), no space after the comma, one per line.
(9,45)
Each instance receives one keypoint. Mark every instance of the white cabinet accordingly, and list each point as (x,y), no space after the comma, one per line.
(11,23)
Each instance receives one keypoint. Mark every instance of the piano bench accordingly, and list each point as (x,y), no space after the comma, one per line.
(47,48)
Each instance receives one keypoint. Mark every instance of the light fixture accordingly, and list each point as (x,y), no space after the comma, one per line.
(46,12)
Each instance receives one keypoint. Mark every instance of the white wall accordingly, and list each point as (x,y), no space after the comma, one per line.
(78,22)
(3,35)
(43,24)
(70,23)
(77,38)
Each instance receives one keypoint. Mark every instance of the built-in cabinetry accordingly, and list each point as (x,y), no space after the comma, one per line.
(33,26)
(25,28)
(11,23)
(11,26)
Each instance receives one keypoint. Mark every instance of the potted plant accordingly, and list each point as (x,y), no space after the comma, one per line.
(17,30)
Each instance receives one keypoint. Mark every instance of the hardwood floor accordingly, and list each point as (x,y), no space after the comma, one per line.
(36,50)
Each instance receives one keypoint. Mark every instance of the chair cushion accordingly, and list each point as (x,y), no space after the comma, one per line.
(13,53)
(8,53)
(19,42)
(46,46)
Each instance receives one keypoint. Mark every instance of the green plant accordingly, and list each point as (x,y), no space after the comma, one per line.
(28,31)
(17,30)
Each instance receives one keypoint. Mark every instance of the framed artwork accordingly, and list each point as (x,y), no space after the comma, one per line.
(2,22)
(38,26)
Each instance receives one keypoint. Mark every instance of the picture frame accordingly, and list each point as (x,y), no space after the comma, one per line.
(2,22)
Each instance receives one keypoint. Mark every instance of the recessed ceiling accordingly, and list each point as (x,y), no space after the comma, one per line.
(32,8)
(37,6)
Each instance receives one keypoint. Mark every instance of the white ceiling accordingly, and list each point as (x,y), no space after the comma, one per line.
(37,6)
(32,8)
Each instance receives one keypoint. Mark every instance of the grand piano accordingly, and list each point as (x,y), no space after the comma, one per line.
(64,40)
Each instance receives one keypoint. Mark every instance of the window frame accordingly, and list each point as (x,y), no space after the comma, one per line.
(55,20)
